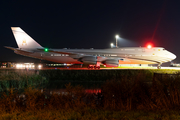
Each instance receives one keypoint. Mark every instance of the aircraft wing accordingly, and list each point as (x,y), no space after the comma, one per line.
(77,55)
(54,51)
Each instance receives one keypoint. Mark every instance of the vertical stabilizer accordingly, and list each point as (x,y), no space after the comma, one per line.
(23,39)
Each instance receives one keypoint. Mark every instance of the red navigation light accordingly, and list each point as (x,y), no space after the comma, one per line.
(149,46)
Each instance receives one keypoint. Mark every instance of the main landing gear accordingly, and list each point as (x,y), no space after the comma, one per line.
(93,67)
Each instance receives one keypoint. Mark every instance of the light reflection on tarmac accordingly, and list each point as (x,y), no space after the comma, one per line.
(173,68)
(170,68)
(135,68)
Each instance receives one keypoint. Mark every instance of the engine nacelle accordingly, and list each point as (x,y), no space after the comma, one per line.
(90,60)
(111,62)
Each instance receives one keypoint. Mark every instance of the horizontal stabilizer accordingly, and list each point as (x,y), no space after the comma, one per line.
(19,50)
(10,48)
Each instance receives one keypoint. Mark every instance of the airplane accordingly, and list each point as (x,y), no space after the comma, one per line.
(111,57)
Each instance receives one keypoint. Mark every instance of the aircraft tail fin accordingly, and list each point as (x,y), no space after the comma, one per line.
(23,39)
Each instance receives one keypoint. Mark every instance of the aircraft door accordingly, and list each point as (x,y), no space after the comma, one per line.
(41,54)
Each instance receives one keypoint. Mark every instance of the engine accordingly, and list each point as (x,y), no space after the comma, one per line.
(111,62)
(90,60)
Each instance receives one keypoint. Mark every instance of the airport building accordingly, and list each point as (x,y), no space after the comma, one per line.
(175,64)
(21,65)
(30,65)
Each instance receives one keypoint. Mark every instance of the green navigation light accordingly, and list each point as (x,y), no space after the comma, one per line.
(46,50)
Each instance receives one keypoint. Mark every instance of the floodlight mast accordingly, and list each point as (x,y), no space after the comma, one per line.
(117,36)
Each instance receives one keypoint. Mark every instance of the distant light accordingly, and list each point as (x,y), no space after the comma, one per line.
(17,65)
(46,50)
(117,36)
(149,46)
(112,45)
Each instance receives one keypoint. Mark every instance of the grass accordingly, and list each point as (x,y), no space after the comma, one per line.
(20,79)
(126,94)
(89,114)
(98,75)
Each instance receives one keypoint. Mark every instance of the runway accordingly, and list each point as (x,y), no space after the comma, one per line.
(119,68)
(109,68)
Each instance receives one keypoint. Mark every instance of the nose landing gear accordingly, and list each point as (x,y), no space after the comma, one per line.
(159,66)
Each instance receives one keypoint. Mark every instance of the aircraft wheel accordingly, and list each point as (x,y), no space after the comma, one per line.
(89,67)
(158,67)
(95,67)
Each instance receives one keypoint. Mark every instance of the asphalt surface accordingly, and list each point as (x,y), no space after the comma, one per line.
(69,68)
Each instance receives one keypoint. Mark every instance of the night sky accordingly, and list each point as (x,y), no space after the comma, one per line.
(91,24)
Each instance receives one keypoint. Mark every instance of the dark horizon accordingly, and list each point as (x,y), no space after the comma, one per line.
(82,24)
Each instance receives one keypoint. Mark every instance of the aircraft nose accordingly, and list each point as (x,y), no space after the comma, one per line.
(173,56)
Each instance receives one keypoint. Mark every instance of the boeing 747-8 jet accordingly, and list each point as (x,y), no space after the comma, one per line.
(93,57)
